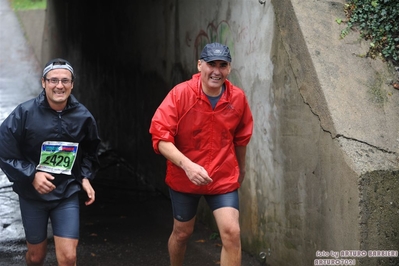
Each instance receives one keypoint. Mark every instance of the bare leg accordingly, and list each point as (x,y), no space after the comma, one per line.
(36,253)
(65,249)
(178,241)
(227,219)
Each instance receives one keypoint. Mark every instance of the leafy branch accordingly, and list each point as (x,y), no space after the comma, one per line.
(378,22)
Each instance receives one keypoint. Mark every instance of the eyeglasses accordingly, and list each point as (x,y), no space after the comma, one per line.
(55,81)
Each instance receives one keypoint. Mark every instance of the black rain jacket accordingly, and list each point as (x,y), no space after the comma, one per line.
(28,126)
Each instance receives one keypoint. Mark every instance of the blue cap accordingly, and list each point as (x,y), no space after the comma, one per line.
(215,51)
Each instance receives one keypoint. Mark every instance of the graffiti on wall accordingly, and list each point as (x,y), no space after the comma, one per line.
(221,33)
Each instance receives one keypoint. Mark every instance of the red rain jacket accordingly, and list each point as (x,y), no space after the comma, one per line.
(206,136)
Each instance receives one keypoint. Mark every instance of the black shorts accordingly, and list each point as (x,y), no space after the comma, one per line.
(64,216)
(184,205)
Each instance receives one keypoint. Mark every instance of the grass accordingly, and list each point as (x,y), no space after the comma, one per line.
(28,4)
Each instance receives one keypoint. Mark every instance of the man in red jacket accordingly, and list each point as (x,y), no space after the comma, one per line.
(202,128)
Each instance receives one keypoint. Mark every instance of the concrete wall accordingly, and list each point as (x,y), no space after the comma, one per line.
(337,122)
(33,21)
(323,162)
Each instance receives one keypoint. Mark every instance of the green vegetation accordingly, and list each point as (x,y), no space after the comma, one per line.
(378,22)
(28,4)
(214,236)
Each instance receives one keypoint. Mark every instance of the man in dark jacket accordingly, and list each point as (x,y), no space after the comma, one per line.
(48,150)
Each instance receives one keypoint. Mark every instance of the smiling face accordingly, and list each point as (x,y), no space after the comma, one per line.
(213,75)
(57,93)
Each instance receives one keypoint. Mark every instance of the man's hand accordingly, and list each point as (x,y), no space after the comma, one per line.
(197,174)
(89,190)
(42,184)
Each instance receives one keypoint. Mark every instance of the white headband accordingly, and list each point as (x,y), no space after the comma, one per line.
(52,66)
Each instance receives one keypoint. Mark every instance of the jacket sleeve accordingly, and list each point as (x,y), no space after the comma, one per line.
(90,164)
(164,122)
(14,165)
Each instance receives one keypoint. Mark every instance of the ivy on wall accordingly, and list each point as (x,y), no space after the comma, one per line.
(378,22)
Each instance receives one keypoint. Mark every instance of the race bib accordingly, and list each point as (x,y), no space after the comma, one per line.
(57,157)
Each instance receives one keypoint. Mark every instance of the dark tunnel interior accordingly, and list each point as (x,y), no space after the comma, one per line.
(103,41)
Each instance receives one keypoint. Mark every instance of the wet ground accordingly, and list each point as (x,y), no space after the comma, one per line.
(130,222)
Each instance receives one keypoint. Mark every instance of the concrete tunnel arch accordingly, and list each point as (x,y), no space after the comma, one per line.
(128,55)
(117,79)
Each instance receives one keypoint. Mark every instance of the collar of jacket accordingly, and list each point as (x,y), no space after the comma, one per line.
(198,86)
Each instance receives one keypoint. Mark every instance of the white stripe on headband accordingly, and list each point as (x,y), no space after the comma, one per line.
(52,66)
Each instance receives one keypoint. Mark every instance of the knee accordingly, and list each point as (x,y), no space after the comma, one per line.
(182,235)
(34,258)
(231,235)
(69,259)
(66,258)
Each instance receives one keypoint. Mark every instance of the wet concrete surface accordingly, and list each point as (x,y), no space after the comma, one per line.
(19,81)
(130,222)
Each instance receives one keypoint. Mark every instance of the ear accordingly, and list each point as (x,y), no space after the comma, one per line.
(43,83)
(199,63)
